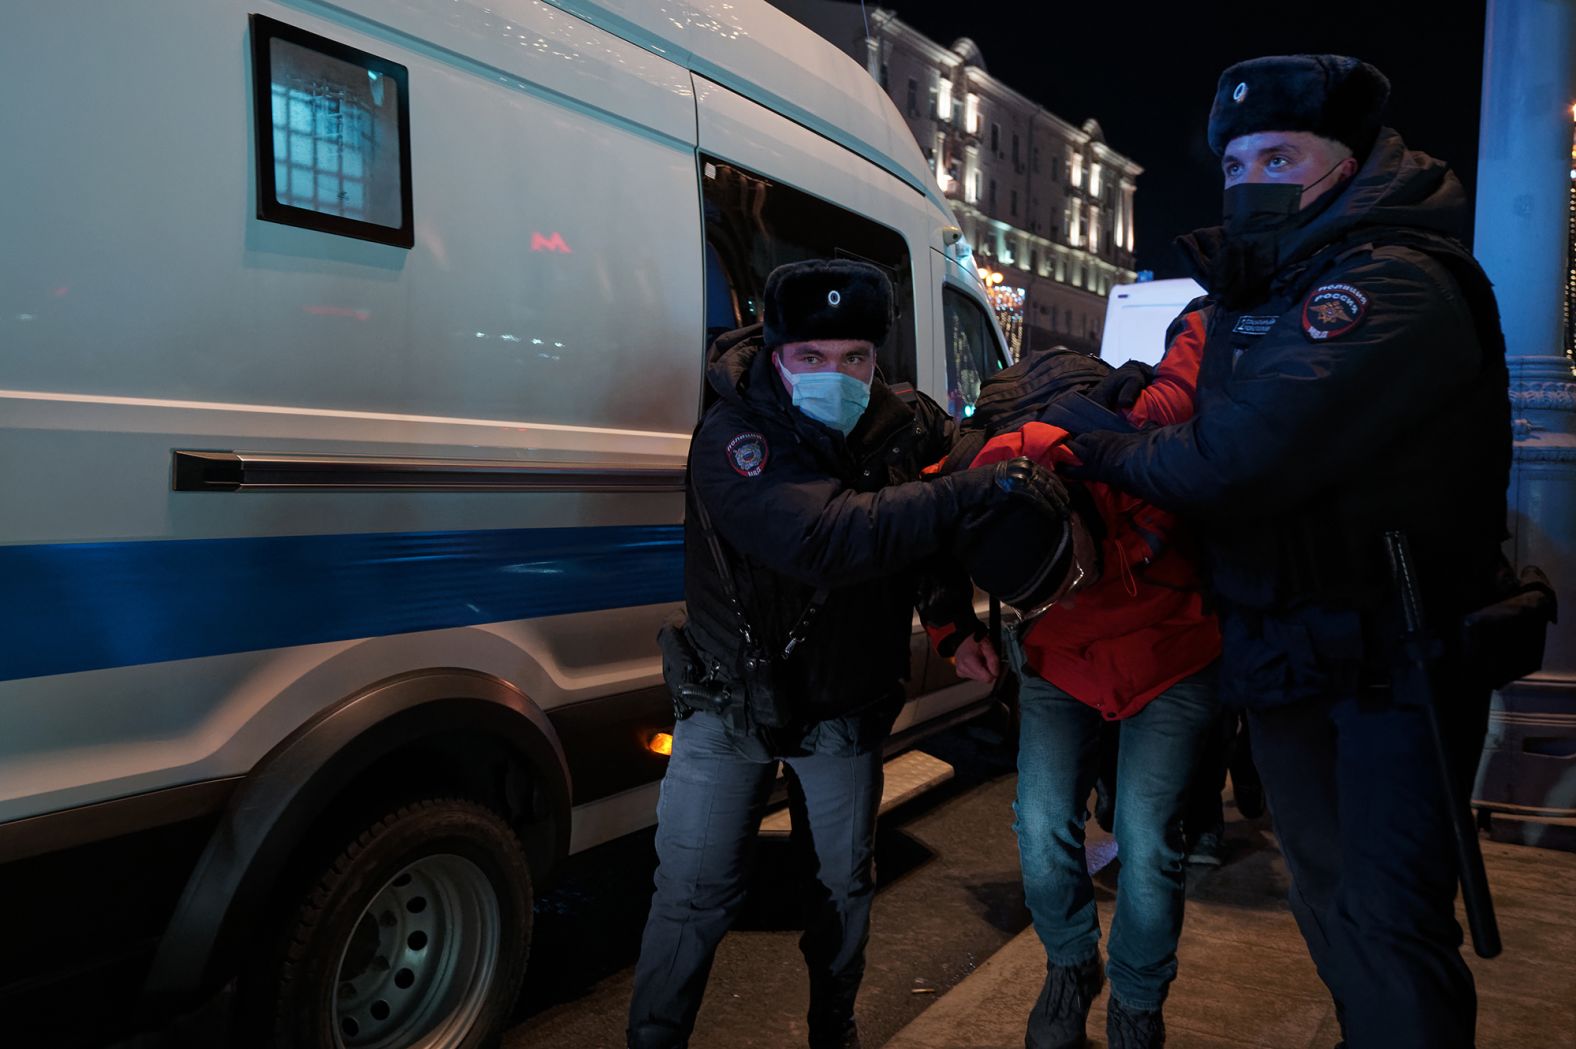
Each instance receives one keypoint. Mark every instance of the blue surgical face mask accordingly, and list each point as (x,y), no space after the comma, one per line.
(833,398)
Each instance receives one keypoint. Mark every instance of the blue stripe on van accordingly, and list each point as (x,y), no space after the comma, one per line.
(87,606)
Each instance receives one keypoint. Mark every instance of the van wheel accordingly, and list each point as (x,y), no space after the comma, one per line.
(415,937)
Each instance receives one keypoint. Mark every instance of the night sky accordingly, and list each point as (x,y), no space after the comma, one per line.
(1147,71)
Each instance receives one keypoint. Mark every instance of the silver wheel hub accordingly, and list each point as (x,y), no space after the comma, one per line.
(416,970)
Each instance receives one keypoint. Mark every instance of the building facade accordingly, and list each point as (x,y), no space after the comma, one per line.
(1046,204)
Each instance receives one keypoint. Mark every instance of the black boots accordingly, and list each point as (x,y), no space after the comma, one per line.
(1133,1028)
(847,1038)
(833,1027)
(1057,1020)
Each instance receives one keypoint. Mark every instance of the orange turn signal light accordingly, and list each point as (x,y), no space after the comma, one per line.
(660,743)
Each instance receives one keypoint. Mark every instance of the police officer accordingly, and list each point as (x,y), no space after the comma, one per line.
(1353,383)
(809,540)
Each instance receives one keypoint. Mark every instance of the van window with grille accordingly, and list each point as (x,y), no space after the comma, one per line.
(333,135)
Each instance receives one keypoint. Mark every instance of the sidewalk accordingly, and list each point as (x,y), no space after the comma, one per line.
(1245,980)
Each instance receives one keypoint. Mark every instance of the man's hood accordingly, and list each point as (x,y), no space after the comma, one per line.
(731,360)
(1396,187)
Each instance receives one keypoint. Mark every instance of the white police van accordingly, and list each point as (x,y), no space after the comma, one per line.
(350,355)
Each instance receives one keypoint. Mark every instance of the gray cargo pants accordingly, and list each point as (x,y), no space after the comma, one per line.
(713,796)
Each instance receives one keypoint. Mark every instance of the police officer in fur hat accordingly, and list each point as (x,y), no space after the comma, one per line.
(809,541)
(1353,384)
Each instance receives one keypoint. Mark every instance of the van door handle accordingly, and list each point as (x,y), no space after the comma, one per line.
(228,471)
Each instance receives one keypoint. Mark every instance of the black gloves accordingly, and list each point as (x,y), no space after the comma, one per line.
(1100,454)
(1121,388)
(1025,479)
(982,488)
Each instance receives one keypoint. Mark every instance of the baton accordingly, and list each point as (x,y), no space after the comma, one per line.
(1412,685)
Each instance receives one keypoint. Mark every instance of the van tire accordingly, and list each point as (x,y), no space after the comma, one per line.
(418,930)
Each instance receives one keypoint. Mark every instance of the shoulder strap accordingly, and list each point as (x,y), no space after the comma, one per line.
(801,627)
(723,571)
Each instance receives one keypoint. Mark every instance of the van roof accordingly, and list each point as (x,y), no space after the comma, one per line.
(751,47)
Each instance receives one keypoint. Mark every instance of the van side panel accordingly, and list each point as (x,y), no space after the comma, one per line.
(144,308)
(154,278)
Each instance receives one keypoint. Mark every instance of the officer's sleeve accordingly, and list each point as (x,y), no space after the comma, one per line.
(1302,408)
(944,599)
(770,501)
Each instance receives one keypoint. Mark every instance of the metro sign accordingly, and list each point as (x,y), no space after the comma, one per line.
(553,242)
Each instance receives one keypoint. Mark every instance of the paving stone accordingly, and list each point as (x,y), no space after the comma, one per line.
(1244,979)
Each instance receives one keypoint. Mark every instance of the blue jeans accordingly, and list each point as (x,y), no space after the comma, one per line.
(708,815)
(1057,762)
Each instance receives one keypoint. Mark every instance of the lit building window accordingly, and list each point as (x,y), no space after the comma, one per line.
(944,100)
(1007,303)
(1570,256)
(1077,170)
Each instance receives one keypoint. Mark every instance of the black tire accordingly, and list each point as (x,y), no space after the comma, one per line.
(415,936)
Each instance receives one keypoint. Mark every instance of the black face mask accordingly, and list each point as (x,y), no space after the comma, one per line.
(1265,207)
(1260,207)
(1255,214)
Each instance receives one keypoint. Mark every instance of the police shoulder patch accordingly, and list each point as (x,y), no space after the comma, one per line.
(747,454)
(1332,310)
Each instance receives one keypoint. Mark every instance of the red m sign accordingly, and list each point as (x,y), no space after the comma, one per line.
(553,243)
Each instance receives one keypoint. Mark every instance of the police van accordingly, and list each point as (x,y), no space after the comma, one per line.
(350,356)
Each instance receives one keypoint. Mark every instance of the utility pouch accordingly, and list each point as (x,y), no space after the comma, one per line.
(765,698)
(1504,641)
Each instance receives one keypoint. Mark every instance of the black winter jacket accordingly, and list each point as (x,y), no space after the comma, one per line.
(1362,388)
(798,507)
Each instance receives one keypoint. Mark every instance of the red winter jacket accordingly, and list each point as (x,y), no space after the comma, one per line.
(1142,626)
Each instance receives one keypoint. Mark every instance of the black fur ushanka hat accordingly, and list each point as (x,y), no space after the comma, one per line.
(1333,96)
(827,299)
